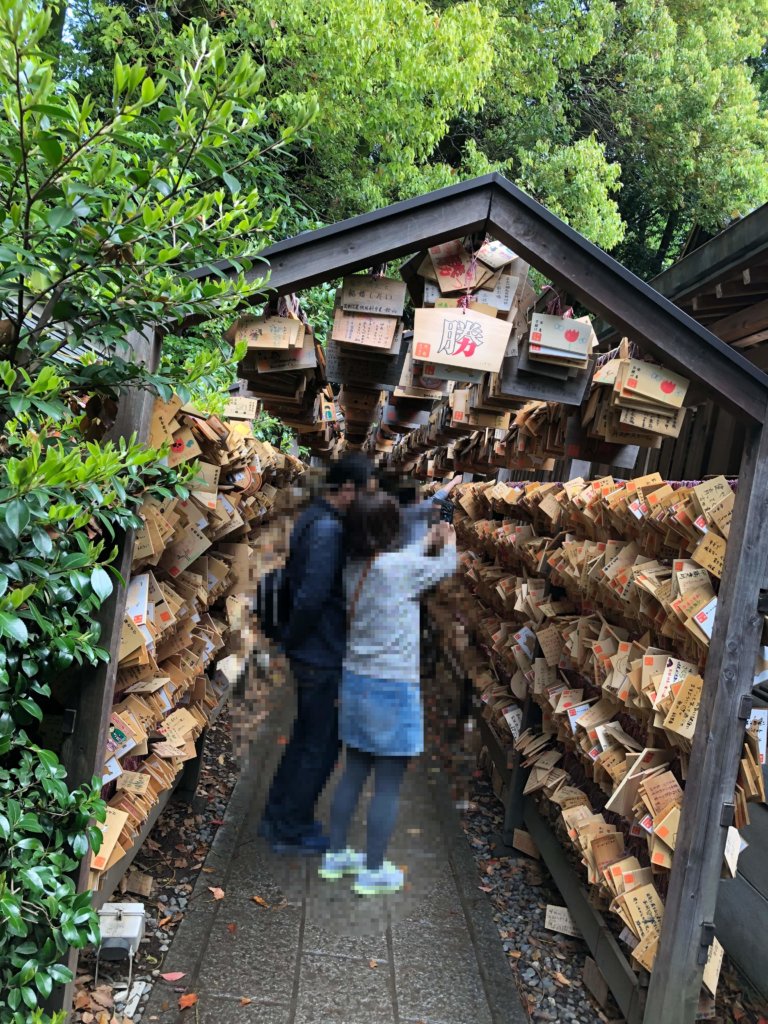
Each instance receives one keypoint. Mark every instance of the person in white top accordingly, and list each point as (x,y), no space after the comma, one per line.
(381,719)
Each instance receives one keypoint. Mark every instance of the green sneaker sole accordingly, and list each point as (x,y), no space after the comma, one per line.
(376,890)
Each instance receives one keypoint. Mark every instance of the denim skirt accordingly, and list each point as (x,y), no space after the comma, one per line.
(381,716)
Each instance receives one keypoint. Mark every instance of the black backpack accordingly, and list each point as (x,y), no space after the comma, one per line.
(273,602)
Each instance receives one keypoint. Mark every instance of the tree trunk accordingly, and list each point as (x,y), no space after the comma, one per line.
(58,20)
(666,239)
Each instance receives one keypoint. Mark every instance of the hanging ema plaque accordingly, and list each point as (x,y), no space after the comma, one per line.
(450,337)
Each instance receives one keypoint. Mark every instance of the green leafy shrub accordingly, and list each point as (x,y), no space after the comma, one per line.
(106,208)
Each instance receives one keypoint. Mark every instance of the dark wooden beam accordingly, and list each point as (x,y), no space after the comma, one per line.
(729,304)
(378,237)
(632,306)
(414,283)
(756,280)
(717,746)
(742,245)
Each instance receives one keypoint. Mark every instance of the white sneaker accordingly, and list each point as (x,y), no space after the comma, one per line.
(377,883)
(344,862)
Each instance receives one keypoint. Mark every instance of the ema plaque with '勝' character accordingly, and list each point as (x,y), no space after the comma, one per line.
(457,337)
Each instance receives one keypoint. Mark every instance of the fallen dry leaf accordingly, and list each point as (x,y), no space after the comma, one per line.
(232,928)
(261,902)
(102,996)
(218,894)
(485,888)
(188,1000)
(173,976)
(88,1017)
(372,963)
(164,921)
(217,821)
(515,953)
(209,871)
(245,1001)
(561,979)
(82,1001)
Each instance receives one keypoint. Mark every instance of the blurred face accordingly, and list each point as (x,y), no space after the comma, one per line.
(345,496)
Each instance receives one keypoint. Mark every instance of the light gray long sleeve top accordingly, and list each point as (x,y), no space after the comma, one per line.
(384,634)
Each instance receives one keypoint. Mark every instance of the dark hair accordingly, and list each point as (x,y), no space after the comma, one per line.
(406,491)
(372,524)
(352,467)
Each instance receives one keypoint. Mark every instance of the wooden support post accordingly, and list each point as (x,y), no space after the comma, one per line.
(690,907)
(514,811)
(82,752)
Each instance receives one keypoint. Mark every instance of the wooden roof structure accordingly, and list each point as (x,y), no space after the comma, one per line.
(494,205)
(723,284)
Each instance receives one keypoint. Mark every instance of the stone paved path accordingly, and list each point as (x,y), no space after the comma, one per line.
(321,955)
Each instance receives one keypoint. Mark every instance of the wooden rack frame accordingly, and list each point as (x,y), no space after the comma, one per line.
(492,204)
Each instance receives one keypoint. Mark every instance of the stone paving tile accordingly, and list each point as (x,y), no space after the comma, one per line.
(256,960)
(336,941)
(336,990)
(223,1009)
(437,974)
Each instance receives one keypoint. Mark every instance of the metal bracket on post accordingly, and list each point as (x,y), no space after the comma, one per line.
(762,602)
(745,707)
(69,721)
(707,937)
(727,815)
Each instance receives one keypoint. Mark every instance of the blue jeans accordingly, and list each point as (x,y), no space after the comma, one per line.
(311,753)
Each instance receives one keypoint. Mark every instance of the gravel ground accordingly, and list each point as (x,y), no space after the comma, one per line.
(548,966)
(173,857)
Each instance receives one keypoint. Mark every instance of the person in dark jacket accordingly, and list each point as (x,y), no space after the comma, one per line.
(314,641)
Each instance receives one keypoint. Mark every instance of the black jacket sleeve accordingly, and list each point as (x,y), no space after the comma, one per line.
(322,557)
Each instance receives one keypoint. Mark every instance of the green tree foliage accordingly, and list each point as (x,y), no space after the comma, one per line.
(632,119)
(387,77)
(107,202)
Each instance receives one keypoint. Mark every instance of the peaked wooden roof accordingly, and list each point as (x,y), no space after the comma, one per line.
(494,205)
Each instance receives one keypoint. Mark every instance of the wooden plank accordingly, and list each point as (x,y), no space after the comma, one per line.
(750,340)
(676,979)
(495,749)
(723,451)
(699,442)
(619,976)
(752,860)
(745,322)
(82,752)
(513,803)
(666,452)
(682,448)
(625,301)
(111,878)
(741,919)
